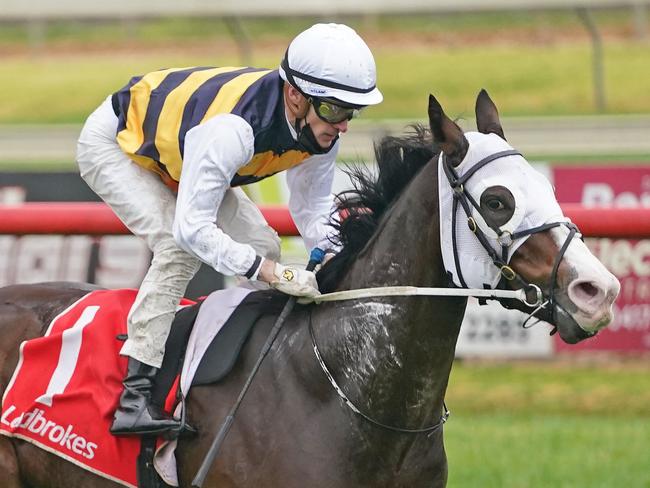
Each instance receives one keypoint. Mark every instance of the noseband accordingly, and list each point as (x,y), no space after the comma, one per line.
(505,238)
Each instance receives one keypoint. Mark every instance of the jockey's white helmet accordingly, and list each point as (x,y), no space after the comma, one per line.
(332,61)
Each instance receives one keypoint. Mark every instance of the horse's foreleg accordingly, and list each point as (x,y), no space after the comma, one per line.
(10,476)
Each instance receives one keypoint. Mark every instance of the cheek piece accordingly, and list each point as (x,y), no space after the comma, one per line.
(461,197)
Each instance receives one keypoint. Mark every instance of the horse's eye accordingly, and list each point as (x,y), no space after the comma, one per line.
(495,204)
(498,205)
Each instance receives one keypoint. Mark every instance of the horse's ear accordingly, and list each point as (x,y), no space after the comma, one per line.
(446,133)
(487,115)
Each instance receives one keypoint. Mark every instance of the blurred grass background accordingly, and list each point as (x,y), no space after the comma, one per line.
(573,422)
(535,63)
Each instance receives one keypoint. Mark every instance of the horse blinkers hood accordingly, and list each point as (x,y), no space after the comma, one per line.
(476,253)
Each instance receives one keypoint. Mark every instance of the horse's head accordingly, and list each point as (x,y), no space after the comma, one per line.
(502,226)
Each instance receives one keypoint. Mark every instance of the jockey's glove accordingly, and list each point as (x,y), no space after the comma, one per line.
(294,281)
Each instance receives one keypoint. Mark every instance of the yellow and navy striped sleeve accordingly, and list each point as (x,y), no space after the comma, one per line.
(156,110)
(160,107)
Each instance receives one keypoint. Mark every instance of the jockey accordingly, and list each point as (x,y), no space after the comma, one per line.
(168,152)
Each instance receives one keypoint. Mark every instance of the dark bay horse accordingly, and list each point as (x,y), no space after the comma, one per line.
(390,356)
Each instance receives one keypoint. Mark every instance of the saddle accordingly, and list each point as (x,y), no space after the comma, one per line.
(223,351)
(218,360)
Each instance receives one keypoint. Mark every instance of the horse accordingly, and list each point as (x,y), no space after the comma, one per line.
(352,392)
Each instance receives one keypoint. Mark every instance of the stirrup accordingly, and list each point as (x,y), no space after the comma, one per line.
(184,430)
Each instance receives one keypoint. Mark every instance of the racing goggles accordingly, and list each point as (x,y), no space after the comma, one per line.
(333,113)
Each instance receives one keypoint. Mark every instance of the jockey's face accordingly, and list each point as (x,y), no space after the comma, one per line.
(299,108)
(324,132)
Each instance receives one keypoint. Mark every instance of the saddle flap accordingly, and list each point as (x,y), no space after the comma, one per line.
(222,353)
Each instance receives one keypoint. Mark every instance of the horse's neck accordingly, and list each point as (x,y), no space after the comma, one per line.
(405,250)
(393,355)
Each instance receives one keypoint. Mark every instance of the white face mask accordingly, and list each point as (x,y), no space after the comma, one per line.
(535,205)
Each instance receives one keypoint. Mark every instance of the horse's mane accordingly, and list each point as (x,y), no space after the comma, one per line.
(362,207)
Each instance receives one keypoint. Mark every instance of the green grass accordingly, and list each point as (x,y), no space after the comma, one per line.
(523,80)
(551,388)
(540,65)
(38,165)
(591,159)
(547,451)
(526,80)
(555,423)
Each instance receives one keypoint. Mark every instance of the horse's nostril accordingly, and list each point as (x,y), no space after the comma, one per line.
(588,289)
(587,296)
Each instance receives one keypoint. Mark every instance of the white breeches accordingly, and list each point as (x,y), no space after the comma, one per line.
(146,206)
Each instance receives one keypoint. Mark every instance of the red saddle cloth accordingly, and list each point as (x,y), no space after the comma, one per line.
(67,384)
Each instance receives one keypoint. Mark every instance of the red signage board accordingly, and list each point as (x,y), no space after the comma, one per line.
(628,259)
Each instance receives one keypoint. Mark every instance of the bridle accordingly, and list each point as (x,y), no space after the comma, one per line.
(424,430)
(462,198)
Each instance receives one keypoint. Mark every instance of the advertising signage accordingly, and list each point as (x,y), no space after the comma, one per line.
(628,259)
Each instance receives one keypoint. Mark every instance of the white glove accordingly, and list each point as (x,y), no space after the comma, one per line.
(294,281)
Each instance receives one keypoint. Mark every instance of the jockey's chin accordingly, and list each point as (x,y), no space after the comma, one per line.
(324,132)
(325,140)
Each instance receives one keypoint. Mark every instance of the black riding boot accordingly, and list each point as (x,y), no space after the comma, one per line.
(136,414)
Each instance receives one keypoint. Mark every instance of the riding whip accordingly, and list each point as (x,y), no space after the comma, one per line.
(315,258)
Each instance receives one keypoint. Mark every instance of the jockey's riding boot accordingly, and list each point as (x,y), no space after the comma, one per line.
(136,414)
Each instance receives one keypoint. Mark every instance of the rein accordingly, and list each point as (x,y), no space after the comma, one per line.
(531,295)
(528,293)
(425,430)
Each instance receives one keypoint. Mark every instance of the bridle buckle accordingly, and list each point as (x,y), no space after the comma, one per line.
(471,223)
(508,273)
(505,238)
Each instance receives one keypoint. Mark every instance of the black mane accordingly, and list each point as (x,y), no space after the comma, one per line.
(398,160)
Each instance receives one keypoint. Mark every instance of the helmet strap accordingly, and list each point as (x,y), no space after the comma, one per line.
(306,140)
